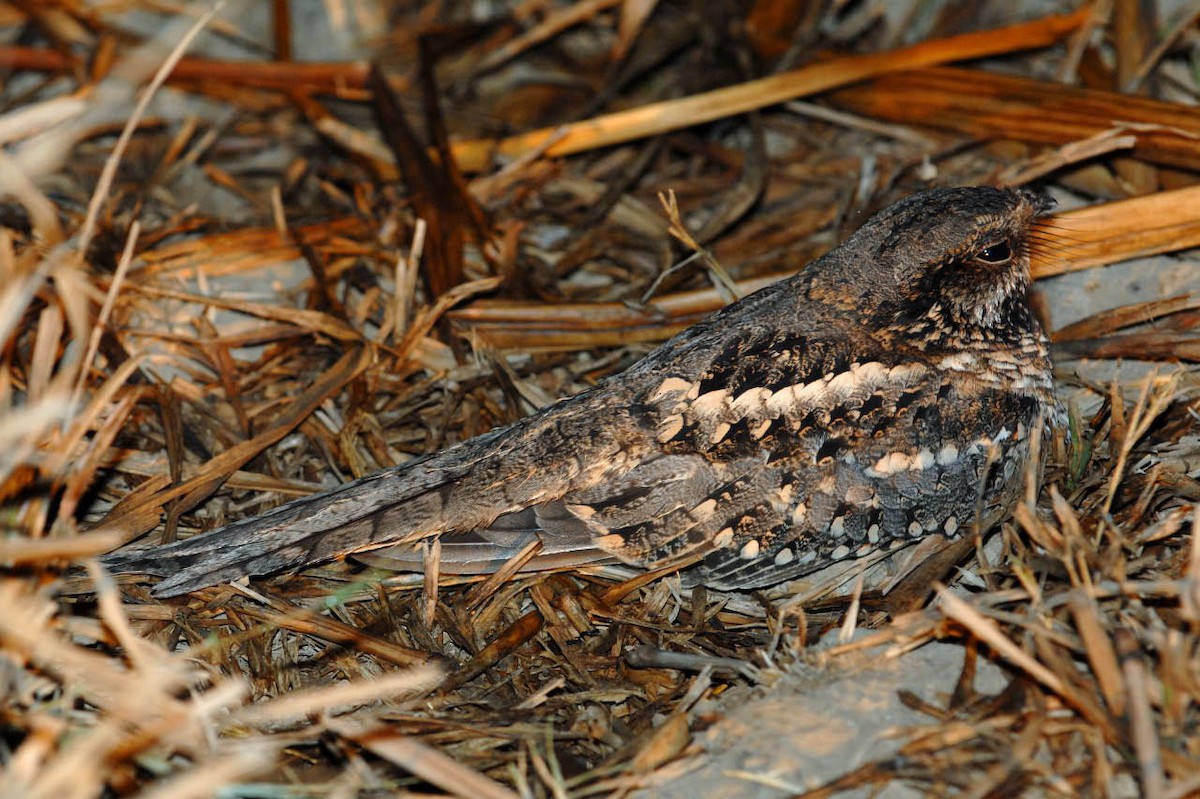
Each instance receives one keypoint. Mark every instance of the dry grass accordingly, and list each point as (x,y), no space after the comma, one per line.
(218,311)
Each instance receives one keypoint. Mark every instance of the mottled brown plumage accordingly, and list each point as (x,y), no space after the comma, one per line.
(886,392)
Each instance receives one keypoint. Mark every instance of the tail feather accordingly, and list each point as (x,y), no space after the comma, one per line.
(296,534)
(401,503)
(534,462)
(566,543)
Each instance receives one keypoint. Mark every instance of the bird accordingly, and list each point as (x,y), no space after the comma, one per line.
(886,392)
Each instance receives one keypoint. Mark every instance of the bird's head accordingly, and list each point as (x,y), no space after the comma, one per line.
(943,267)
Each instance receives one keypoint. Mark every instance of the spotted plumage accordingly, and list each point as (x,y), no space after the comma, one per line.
(885,393)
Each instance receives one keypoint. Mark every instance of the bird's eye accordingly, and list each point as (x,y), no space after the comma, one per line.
(998,253)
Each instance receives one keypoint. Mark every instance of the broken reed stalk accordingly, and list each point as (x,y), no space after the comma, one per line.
(656,118)
(332,77)
(1119,231)
(988,105)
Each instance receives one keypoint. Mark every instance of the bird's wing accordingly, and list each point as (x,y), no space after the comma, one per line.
(658,489)
(765,461)
(463,488)
(593,437)
(794,450)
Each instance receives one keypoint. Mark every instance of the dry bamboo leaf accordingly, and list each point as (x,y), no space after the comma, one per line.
(30,119)
(16,181)
(1174,348)
(26,630)
(1100,652)
(1157,393)
(86,419)
(667,741)
(1141,715)
(300,620)
(127,71)
(427,763)
(1071,153)
(517,634)
(83,470)
(332,77)
(213,775)
(484,591)
(338,699)
(312,321)
(240,250)
(554,23)
(26,552)
(45,352)
(634,14)
(1125,316)
(987,631)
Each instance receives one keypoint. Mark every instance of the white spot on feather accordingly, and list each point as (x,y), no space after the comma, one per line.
(860,377)
(840,552)
(947,455)
(749,550)
(808,394)
(723,538)
(711,403)
(872,372)
(795,397)
(582,511)
(672,385)
(905,373)
(784,556)
(923,460)
(669,427)
(751,400)
(704,509)
(892,463)
(781,401)
(960,362)
(610,542)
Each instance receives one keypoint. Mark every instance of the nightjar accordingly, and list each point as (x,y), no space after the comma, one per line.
(886,392)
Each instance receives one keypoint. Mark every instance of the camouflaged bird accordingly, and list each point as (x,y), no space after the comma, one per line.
(886,392)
